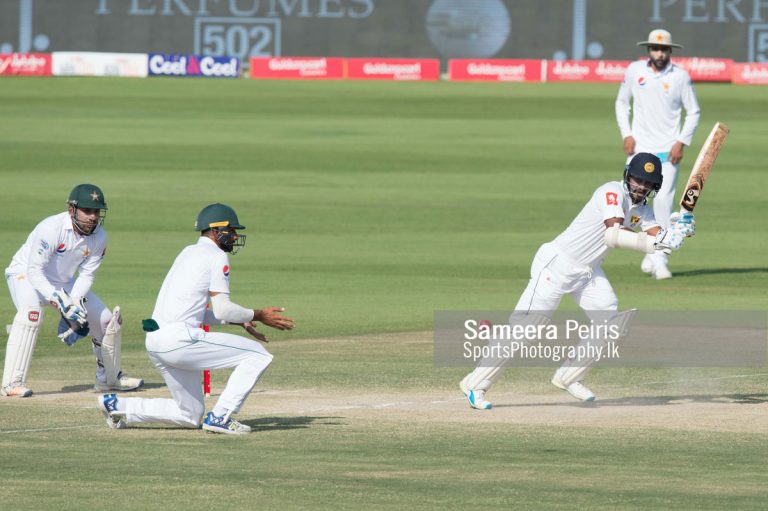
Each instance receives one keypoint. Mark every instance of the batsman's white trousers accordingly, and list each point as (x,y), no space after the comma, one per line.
(554,274)
(181,354)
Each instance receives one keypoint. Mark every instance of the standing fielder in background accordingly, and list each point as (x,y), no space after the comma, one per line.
(43,271)
(658,91)
(572,264)
(181,350)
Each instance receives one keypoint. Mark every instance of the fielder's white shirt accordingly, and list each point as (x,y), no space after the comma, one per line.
(54,252)
(198,269)
(658,100)
(584,240)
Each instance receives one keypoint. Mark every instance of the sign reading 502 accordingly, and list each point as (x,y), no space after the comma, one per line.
(237,37)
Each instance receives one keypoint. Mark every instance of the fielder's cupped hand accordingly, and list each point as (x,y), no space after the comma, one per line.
(271,317)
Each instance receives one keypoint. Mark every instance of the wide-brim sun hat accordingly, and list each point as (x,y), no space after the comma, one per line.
(659,37)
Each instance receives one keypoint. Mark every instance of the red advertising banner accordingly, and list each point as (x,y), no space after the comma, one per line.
(393,69)
(703,69)
(753,73)
(496,70)
(586,70)
(25,64)
(297,67)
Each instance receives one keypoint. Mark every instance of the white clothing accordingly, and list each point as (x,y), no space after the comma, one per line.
(584,240)
(181,350)
(657,100)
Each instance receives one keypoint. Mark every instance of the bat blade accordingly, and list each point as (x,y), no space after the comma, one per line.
(703,166)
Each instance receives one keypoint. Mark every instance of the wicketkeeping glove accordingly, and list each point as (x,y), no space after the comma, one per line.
(71,310)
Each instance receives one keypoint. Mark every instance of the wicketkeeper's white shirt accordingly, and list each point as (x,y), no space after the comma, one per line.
(54,252)
(659,98)
(584,240)
(198,269)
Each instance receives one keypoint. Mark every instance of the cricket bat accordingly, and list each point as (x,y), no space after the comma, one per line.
(703,167)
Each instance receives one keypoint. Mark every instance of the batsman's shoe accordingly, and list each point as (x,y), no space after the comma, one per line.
(661,272)
(216,424)
(577,390)
(476,398)
(108,406)
(647,265)
(16,390)
(123,384)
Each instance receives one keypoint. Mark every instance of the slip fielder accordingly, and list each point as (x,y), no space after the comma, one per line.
(181,350)
(43,272)
(571,264)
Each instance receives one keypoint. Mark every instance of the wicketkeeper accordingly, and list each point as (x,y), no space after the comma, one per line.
(43,273)
(571,264)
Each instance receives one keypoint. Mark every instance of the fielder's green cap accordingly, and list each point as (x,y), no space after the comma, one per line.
(217,215)
(87,196)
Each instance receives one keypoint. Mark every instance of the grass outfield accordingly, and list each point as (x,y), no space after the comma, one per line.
(369,206)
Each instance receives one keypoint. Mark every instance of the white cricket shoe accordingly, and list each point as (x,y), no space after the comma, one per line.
(16,390)
(647,265)
(476,398)
(216,424)
(108,406)
(661,272)
(123,384)
(577,390)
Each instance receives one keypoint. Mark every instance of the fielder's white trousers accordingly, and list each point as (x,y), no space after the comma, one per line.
(181,354)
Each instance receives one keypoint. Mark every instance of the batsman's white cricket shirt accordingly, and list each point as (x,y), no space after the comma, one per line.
(658,100)
(52,254)
(584,240)
(198,269)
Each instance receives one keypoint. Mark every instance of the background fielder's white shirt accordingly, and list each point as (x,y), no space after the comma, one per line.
(584,240)
(658,100)
(198,269)
(54,252)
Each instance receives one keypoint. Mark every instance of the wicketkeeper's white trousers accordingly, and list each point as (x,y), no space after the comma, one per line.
(181,354)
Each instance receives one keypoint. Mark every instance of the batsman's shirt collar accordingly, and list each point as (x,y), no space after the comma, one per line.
(205,240)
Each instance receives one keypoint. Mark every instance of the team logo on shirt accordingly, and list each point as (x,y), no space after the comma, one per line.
(61,249)
(86,252)
(634,219)
(641,81)
(225,270)
(612,199)
(33,316)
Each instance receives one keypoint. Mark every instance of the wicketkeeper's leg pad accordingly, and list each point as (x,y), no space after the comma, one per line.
(21,343)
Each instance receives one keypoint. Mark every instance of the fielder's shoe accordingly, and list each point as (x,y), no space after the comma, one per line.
(108,406)
(123,384)
(661,272)
(476,398)
(16,390)
(647,265)
(216,424)
(577,390)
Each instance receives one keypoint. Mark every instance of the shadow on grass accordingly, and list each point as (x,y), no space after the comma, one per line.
(86,388)
(719,271)
(284,423)
(736,399)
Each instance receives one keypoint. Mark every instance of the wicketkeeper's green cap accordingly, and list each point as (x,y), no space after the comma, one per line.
(217,215)
(87,196)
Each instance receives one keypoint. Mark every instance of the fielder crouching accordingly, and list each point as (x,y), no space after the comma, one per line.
(181,350)
(572,264)
(42,272)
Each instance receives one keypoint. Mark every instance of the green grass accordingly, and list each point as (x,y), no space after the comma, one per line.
(369,206)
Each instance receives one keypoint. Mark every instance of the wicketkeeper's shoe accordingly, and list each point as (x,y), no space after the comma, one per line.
(108,406)
(577,390)
(476,398)
(124,383)
(16,390)
(216,424)
(647,265)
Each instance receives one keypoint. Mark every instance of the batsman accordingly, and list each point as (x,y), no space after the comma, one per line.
(616,216)
(57,266)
